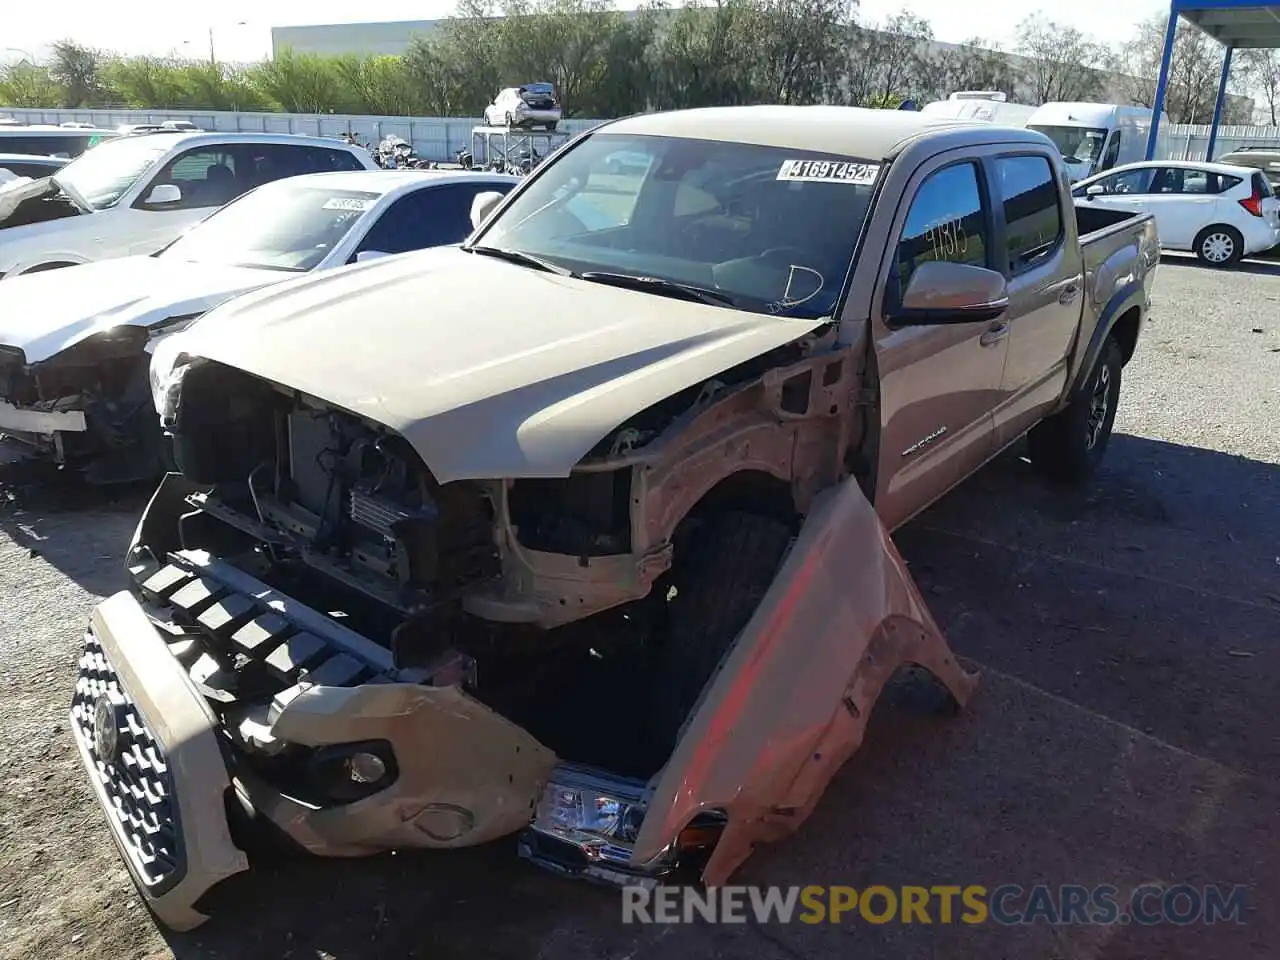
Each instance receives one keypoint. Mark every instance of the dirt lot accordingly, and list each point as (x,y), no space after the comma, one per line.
(1125,729)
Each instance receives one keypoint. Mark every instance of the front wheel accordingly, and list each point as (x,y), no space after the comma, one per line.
(1068,446)
(1219,245)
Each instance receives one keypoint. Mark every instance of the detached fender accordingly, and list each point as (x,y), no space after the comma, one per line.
(792,698)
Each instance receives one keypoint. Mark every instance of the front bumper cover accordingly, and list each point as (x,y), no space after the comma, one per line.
(163,790)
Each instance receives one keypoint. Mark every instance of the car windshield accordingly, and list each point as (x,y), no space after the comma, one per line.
(103,174)
(279,226)
(1077,144)
(767,229)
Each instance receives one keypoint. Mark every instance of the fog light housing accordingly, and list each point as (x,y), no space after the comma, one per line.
(347,772)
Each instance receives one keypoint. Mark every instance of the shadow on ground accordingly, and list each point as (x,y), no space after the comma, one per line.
(1260,264)
(49,512)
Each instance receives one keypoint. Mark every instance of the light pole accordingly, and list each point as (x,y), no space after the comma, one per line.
(213,59)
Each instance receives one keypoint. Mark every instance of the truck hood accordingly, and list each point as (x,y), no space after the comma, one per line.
(489,369)
(44,313)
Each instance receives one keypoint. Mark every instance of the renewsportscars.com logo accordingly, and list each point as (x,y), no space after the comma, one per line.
(1148,904)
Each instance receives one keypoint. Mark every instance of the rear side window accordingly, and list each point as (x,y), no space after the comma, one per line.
(1190,181)
(1032,210)
(1262,186)
(947,221)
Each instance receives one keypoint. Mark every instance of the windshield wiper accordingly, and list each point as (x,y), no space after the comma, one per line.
(658,285)
(525,259)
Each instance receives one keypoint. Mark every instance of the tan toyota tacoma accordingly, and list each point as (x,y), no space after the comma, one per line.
(579,532)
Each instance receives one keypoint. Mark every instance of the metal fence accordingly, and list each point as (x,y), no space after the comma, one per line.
(434,138)
(1188,141)
(437,138)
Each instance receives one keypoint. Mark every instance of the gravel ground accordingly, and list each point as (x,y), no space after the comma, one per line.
(1124,730)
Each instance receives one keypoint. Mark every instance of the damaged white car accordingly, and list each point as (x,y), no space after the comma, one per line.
(75,344)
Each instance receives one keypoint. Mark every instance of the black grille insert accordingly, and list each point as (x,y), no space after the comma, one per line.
(136,778)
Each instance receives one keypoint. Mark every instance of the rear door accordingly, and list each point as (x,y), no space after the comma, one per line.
(1185,200)
(1046,284)
(938,384)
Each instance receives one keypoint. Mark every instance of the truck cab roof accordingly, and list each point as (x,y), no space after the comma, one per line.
(848,131)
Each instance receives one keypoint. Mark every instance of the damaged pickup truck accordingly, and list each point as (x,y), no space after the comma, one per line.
(579,532)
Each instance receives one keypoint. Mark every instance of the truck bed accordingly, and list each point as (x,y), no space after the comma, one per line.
(1105,231)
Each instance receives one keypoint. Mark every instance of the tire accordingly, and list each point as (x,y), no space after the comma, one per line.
(1068,446)
(1219,245)
(722,570)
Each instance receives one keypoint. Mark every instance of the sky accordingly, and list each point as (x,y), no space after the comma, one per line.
(242,30)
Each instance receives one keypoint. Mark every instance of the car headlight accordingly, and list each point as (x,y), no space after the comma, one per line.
(591,810)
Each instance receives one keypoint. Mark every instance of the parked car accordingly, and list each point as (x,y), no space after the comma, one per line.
(1218,211)
(30,165)
(530,105)
(1266,159)
(581,533)
(48,141)
(75,345)
(134,194)
(1095,137)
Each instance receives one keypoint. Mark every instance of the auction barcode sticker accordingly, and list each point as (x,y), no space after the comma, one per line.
(829,171)
(358,204)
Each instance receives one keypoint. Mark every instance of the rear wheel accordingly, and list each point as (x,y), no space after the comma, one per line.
(724,564)
(1219,245)
(1068,446)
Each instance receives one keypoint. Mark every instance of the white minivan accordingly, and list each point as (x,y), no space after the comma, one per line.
(134,194)
(1094,137)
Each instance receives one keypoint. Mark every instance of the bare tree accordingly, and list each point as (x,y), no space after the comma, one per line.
(1062,63)
(1262,67)
(975,64)
(1194,71)
(883,63)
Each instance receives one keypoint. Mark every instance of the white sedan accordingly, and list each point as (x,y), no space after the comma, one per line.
(1217,211)
(75,343)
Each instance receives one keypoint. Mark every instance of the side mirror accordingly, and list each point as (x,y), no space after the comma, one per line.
(482,205)
(941,292)
(162,194)
(366,255)
(1094,190)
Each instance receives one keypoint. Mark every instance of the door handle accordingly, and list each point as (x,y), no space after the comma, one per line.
(1069,293)
(994,334)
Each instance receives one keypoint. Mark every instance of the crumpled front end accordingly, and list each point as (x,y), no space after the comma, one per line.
(88,407)
(205,693)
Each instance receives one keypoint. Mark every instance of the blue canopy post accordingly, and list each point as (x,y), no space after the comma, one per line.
(1162,84)
(1237,25)
(1217,107)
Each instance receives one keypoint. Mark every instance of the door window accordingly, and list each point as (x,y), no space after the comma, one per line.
(1121,184)
(206,176)
(264,162)
(1112,153)
(1183,180)
(1032,211)
(427,218)
(947,221)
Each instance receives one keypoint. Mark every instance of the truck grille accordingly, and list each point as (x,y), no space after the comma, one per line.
(136,778)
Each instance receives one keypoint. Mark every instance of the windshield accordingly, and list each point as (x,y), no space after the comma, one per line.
(1077,144)
(279,226)
(771,229)
(103,174)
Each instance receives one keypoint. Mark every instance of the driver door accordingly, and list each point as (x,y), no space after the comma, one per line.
(939,384)
(205,177)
